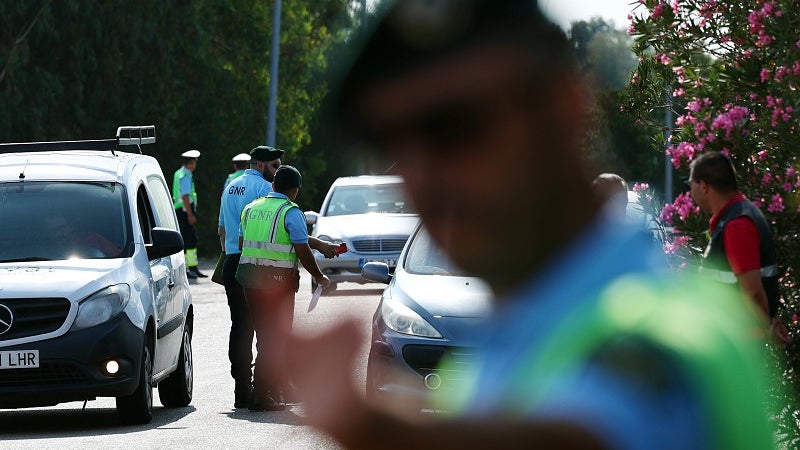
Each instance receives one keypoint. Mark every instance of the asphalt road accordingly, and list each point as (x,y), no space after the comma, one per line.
(210,421)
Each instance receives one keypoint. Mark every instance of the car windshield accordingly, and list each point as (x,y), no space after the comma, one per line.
(425,258)
(56,220)
(364,199)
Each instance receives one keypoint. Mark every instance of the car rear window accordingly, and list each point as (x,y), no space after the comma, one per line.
(55,220)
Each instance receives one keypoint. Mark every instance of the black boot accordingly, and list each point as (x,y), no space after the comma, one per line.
(197,272)
(264,402)
(242,394)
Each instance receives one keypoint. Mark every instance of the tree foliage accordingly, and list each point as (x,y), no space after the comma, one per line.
(733,71)
(615,143)
(199,71)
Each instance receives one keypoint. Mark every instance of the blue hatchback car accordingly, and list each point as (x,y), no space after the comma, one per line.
(430,310)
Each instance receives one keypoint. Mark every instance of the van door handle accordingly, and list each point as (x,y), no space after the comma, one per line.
(171,283)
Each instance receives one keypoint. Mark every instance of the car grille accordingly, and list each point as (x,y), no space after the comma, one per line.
(379,245)
(52,374)
(425,359)
(34,316)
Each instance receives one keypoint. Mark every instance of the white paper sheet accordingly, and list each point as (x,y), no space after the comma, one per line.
(315,298)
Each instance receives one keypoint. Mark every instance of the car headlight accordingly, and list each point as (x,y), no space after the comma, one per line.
(102,306)
(403,319)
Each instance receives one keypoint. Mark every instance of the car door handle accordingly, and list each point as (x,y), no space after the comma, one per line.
(171,283)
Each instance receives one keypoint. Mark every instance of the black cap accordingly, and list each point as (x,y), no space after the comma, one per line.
(265,153)
(413,33)
(288,177)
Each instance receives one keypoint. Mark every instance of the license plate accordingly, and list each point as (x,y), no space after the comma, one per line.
(19,359)
(391,262)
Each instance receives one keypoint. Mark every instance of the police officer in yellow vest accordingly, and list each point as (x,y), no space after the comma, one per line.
(184,198)
(273,239)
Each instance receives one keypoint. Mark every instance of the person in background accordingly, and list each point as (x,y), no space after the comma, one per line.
(591,344)
(274,238)
(184,197)
(240,163)
(613,190)
(740,248)
(255,182)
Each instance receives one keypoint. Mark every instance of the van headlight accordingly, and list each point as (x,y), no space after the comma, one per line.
(403,319)
(102,306)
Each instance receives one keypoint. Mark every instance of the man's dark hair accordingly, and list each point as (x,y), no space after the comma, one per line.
(716,169)
(413,33)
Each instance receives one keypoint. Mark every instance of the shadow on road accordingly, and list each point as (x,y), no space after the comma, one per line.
(53,423)
(291,416)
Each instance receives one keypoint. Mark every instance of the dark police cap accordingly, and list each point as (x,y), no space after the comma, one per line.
(265,153)
(288,177)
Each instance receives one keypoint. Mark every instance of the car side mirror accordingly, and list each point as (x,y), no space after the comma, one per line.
(165,242)
(311,217)
(376,271)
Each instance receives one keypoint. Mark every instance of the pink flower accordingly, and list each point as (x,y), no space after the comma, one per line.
(672,247)
(683,152)
(658,11)
(765,75)
(683,207)
(764,40)
(639,187)
(791,172)
(735,117)
(777,204)
(767,179)
(762,155)
(780,72)
(680,92)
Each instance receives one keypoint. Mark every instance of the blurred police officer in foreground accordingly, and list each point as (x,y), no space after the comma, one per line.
(240,163)
(592,345)
(255,182)
(274,238)
(184,198)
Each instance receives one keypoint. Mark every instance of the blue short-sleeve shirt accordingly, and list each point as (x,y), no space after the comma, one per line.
(235,197)
(295,222)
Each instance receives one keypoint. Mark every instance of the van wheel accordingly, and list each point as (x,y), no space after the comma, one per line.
(137,408)
(176,390)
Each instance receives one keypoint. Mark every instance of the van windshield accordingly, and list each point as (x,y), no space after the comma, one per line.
(56,220)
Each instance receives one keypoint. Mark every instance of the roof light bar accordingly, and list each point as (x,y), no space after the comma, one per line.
(126,136)
(138,135)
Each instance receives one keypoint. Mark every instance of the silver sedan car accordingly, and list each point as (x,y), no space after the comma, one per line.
(370,215)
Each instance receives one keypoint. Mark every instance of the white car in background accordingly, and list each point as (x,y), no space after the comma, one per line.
(370,215)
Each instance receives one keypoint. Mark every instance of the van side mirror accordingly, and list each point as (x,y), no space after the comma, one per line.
(165,242)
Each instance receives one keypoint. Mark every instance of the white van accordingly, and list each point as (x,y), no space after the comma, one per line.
(94,299)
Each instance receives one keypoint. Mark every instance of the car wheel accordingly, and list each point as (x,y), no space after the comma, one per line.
(137,408)
(176,390)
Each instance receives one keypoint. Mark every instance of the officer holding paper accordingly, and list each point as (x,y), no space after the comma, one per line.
(274,239)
